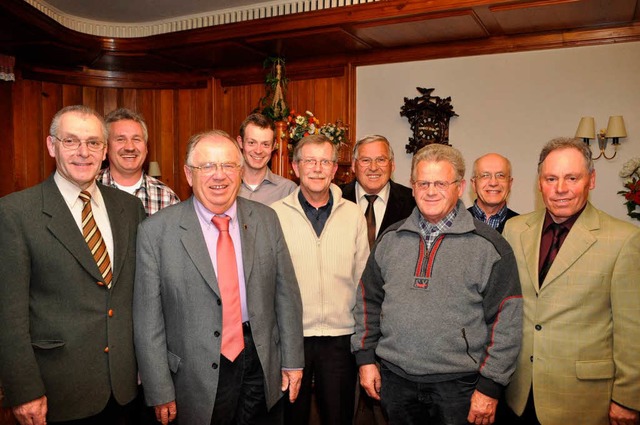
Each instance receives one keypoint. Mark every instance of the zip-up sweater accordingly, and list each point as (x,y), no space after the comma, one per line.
(455,309)
(327,267)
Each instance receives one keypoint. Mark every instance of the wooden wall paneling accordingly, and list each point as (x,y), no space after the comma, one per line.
(90,98)
(52,102)
(182,133)
(71,95)
(7,163)
(27,124)
(127,99)
(165,139)
(109,100)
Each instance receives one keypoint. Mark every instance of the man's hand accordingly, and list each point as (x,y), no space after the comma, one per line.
(483,409)
(370,380)
(33,412)
(166,413)
(619,415)
(292,379)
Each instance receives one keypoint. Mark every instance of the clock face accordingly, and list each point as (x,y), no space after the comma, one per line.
(428,128)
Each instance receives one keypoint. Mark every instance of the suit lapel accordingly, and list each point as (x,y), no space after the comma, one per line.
(530,240)
(119,232)
(195,245)
(64,228)
(578,241)
(248,231)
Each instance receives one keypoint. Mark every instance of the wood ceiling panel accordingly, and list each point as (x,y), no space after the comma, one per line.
(213,55)
(552,15)
(421,30)
(332,41)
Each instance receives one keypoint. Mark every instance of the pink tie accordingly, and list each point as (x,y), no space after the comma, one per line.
(232,337)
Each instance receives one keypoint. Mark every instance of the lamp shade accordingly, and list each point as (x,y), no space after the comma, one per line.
(615,127)
(154,169)
(586,128)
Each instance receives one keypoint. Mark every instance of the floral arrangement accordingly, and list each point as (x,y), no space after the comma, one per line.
(631,170)
(302,125)
(336,133)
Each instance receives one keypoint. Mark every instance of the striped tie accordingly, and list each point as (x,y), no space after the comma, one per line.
(94,240)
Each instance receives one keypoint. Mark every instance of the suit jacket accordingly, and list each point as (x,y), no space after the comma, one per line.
(54,322)
(399,206)
(178,312)
(581,333)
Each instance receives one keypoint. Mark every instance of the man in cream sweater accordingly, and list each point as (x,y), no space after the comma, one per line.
(327,239)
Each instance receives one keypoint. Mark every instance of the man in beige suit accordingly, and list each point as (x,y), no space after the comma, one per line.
(579,362)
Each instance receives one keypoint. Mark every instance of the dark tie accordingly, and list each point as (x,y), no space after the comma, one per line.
(370,215)
(558,232)
(232,338)
(94,240)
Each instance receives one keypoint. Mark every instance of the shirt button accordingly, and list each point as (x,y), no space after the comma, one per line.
(538,327)
(110,313)
(214,365)
(106,349)
(531,358)
(216,334)
(218,302)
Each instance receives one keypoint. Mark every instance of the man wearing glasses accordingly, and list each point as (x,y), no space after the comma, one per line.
(66,285)
(382,201)
(327,238)
(447,286)
(127,150)
(217,310)
(492,183)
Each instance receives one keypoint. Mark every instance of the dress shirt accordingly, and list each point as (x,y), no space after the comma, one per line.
(493,220)
(211,232)
(379,206)
(271,189)
(430,231)
(547,235)
(71,193)
(317,216)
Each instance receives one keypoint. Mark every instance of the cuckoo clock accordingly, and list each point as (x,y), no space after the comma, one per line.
(429,119)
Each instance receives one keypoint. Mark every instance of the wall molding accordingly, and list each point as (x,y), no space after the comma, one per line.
(188,22)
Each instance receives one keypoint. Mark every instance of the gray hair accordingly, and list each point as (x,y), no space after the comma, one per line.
(197,138)
(567,143)
(371,139)
(314,139)
(77,109)
(121,114)
(437,152)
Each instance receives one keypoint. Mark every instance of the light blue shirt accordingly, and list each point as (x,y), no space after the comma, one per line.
(210,233)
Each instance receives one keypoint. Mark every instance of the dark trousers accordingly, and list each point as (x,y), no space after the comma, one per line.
(112,414)
(240,399)
(528,417)
(434,403)
(330,373)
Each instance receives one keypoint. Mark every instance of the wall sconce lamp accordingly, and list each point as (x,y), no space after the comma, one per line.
(615,130)
(154,169)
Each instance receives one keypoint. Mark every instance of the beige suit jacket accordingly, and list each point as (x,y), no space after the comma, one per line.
(581,330)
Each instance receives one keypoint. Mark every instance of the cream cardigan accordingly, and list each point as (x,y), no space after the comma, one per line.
(328,268)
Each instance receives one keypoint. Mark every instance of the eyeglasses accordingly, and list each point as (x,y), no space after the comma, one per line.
(211,168)
(487,176)
(438,184)
(312,162)
(380,161)
(73,143)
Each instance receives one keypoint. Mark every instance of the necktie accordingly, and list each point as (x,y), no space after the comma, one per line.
(232,337)
(558,232)
(370,215)
(94,240)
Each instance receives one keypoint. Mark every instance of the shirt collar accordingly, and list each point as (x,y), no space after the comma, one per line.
(447,221)
(382,195)
(205,216)
(478,213)
(567,224)
(70,192)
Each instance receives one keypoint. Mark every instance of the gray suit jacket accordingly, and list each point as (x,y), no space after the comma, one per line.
(178,312)
(54,321)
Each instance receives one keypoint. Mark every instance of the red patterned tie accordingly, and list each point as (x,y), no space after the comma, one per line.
(94,240)
(232,337)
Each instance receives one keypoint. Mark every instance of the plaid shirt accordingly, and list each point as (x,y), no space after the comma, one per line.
(493,221)
(430,232)
(154,194)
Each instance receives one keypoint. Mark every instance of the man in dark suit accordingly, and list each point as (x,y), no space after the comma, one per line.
(181,298)
(491,182)
(373,165)
(66,342)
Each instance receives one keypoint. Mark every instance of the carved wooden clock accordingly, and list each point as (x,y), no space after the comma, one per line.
(429,119)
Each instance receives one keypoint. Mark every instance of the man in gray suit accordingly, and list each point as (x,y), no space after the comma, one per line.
(66,341)
(178,305)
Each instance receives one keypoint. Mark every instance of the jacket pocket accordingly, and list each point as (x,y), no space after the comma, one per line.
(174,362)
(47,344)
(595,369)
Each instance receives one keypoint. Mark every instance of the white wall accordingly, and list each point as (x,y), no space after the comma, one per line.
(512,104)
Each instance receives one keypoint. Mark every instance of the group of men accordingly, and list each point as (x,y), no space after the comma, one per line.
(234,312)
